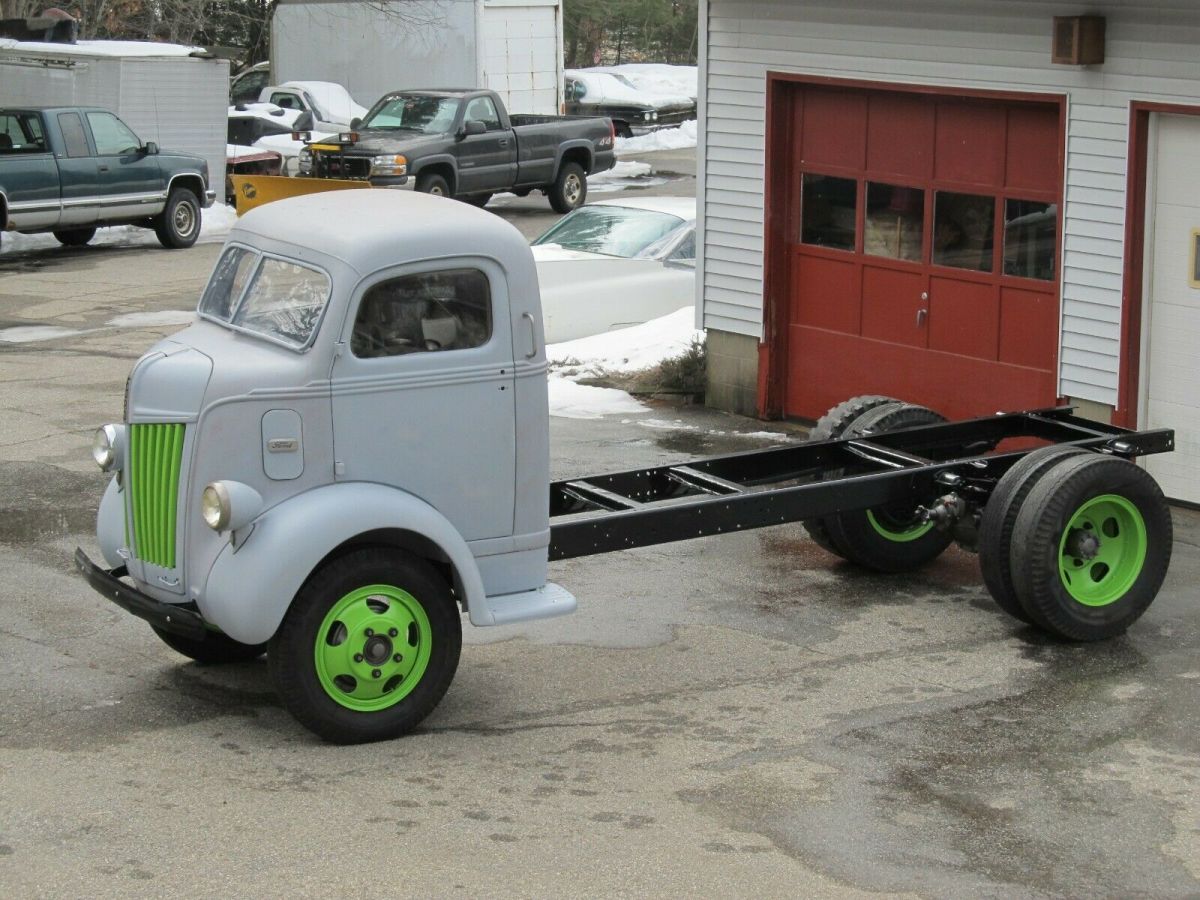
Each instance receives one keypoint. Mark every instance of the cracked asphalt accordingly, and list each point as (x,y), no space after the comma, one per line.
(732,716)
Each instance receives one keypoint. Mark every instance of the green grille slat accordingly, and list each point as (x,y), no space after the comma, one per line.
(155,457)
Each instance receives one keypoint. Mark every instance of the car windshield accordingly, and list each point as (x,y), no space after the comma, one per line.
(279,299)
(413,112)
(611,230)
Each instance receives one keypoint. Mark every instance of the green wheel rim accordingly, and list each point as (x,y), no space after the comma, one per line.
(889,529)
(1102,550)
(373,647)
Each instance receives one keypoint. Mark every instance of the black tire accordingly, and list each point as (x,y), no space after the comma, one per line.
(214,648)
(432,183)
(1120,508)
(179,224)
(999,518)
(76,237)
(569,190)
(829,427)
(480,200)
(379,587)
(889,539)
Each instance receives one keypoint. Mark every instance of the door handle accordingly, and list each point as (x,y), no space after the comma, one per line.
(504,142)
(103,168)
(528,317)
(922,315)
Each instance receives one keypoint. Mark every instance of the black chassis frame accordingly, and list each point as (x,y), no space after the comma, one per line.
(907,467)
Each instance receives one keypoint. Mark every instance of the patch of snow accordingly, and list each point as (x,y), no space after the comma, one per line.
(569,400)
(623,175)
(268,112)
(151,319)
(667,139)
(102,48)
(626,349)
(215,223)
(24,334)
(665,425)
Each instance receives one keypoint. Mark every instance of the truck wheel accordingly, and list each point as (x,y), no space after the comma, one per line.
(828,427)
(213,648)
(433,184)
(76,237)
(1090,547)
(179,224)
(368,648)
(891,538)
(999,518)
(570,188)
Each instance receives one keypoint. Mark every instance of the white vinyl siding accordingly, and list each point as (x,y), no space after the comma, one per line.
(1151,55)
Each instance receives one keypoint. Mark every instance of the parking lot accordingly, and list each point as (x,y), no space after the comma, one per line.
(733,716)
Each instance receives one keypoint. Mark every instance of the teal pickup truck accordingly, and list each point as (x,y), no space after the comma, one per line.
(71,170)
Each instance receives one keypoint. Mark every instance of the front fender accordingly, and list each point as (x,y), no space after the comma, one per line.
(249,589)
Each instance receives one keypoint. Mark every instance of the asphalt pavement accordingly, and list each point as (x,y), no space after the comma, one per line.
(739,716)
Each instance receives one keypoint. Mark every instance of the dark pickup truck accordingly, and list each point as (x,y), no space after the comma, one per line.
(464,144)
(71,170)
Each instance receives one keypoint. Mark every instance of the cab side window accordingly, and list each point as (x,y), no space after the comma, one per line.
(481,109)
(21,133)
(112,136)
(429,312)
(72,132)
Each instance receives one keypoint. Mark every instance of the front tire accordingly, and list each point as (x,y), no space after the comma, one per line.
(433,184)
(179,224)
(213,649)
(76,237)
(570,188)
(1090,547)
(368,647)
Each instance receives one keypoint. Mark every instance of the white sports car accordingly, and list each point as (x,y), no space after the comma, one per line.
(616,263)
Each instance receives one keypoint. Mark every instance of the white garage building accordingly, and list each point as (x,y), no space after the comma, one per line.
(973,205)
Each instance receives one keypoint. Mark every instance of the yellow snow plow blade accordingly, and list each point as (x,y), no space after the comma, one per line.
(250,191)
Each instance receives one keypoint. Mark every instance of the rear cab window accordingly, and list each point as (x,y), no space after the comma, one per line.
(427,312)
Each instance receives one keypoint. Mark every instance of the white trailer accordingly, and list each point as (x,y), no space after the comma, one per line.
(161,91)
(513,47)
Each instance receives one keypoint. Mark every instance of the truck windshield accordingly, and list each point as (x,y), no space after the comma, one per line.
(279,299)
(414,112)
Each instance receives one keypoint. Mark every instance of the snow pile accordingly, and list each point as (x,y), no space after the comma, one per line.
(667,139)
(625,350)
(215,223)
(623,175)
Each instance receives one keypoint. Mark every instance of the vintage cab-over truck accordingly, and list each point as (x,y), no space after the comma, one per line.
(349,447)
(71,170)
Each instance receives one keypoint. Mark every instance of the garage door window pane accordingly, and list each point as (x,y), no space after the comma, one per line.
(1029,231)
(829,208)
(963,226)
(895,221)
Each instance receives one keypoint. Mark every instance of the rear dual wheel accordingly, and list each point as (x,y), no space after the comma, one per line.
(368,648)
(1090,547)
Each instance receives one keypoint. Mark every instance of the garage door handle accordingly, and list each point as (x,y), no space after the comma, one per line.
(528,317)
(922,315)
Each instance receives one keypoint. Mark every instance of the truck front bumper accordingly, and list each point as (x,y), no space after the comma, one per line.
(169,617)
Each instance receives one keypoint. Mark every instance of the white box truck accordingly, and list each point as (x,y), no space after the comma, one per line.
(161,91)
(513,47)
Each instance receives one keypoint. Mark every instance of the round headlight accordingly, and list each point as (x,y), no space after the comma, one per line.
(215,506)
(105,448)
(647,116)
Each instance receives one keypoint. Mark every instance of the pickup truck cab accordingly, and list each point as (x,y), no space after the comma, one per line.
(464,143)
(71,170)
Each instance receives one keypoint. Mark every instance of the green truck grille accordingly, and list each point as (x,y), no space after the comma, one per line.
(155,454)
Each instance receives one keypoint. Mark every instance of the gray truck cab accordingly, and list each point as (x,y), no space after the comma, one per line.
(354,427)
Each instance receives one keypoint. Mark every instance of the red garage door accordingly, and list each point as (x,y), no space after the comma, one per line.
(921,250)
